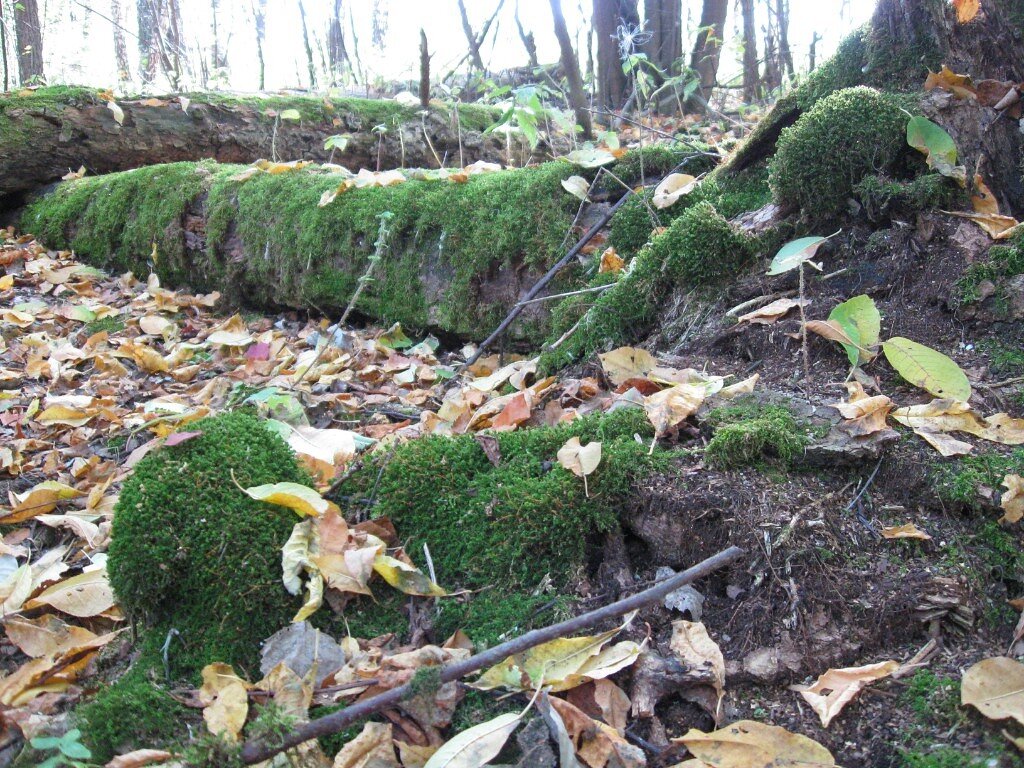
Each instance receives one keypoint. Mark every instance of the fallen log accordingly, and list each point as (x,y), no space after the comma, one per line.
(47,132)
(461,255)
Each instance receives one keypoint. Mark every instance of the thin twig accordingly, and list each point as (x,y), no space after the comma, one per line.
(592,289)
(257,751)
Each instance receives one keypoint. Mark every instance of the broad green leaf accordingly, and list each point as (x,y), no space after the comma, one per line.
(576,186)
(927,368)
(795,253)
(937,146)
(478,745)
(590,158)
(305,501)
(860,318)
(405,578)
(291,114)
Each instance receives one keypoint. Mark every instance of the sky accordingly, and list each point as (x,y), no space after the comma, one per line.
(79,42)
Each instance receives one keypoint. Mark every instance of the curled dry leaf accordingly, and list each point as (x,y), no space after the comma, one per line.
(906,531)
(611,262)
(303,500)
(670,407)
(139,758)
(476,746)
(372,748)
(998,226)
(966,10)
(579,459)
(671,188)
(1012,500)
(576,186)
(837,687)
(944,443)
(946,415)
(692,644)
(225,698)
(864,414)
(948,80)
(748,743)
(995,687)
(770,313)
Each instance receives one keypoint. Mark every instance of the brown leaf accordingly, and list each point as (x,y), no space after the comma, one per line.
(995,687)
(966,10)
(611,262)
(906,531)
(769,313)
(1012,500)
(747,743)
(139,758)
(947,80)
(692,644)
(983,201)
(837,687)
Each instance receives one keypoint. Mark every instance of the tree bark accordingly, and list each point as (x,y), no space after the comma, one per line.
(124,72)
(3,49)
(29,34)
(337,55)
(785,53)
(82,131)
(707,50)
(571,65)
(259,17)
(609,16)
(424,71)
(751,73)
(664,23)
(529,42)
(474,46)
(310,64)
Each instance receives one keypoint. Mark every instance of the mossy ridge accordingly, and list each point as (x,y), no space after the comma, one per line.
(699,248)
(884,197)
(850,134)
(503,531)
(748,433)
(192,552)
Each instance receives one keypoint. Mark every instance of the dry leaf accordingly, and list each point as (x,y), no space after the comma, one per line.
(995,687)
(627,363)
(611,262)
(749,744)
(837,687)
(906,531)
(997,226)
(1012,500)
(581,460)
(225,699)
(946,415)
(670,407)
(769,313)
(966,10)
(692,644)
(983,201)
(86,595)
(671,188)
(140,758)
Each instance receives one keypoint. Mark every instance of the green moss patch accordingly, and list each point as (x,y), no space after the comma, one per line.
(514,534)
(749,433)
(190,551)
(961,482)
(883,197)
(844,137)
(1003,261)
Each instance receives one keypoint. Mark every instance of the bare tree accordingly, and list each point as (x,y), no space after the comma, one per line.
(310,63)
(29,35)
(124,72)
(529,42)
(782,24)
(424,71)
(609,17)
(663,21)
(571,65)
(259,17)
(337,54)
(3,48)
(219,52)
(161,40)
(707,50)
(751,72)
(476,41)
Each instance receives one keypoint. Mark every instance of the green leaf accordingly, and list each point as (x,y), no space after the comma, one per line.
(937,146)
(927,368)
(45,742)
(291,114)
(860,319)
(75,750)
(590,158)
(795,253)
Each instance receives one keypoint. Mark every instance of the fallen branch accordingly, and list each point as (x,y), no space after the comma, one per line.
(258,751)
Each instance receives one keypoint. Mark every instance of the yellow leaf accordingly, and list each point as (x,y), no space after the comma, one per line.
(405,578)
(139,758)
(747,743)
(1012,501)
(957,416)
(226,700)
(627,363)
(6,282)
(837,687)
(671,188)
(997,226)
(769,313)
(303,500)
(611,262)
(476,746)
(983,201)
(62,414)
(927,368)
(670,407)
(692,644)
(948,80)
(906,531)
(86,595)
(864,415)
(966,10)
(581,460)
(995,687)
(45,635)
(39,500)
(372,748)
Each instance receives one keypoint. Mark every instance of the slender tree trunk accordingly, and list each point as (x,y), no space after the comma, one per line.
(424,70)
(311,65)
(337,55)
(149,32)
(474,48)
(3,48)
(707,51)
(174,43)
(812,54)
(259,17)
(29,34)
(571,65)
(124,73)
(219,53)
(664,23)
(785,54)
(529,42)
(609,16)
(751,73)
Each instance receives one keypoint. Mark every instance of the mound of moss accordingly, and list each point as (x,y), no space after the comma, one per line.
(1003,261)
(844,137)
(514,534)
(699,248)
(749,433)
(884,198)
(266,241)
(191,552)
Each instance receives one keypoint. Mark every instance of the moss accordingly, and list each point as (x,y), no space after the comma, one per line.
(480,706)
(503,532)
(749,433)
(47,101)
(133,712)
(960,482)
(698,248)
(657,160)
(1003,261)
(110,324)
(946,757)
(883,197)
(297,253)
(190,551)
(846,136)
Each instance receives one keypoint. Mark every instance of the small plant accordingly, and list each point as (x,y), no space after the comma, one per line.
(67,749)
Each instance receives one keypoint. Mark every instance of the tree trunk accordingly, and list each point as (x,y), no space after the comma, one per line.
(785,54)
(609,16)
(474,47)
(149,31)
(424,70)
(310,64)
(571,65)
(664,23)
(124,73)
(3,49)
(707,50)
(529,42)
(29,34)
(751,73)
(80,130)
(259,17)
(337,55)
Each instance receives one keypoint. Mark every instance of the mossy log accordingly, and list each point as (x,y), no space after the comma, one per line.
(46,132)
(894,52)
(460,255)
